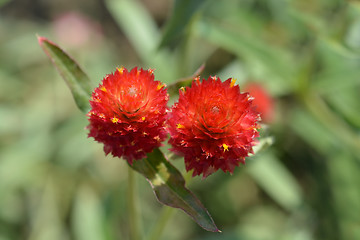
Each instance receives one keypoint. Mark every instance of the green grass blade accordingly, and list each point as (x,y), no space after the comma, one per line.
(182,13)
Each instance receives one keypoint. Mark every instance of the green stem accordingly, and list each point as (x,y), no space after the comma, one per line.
(163,220)
(133,207)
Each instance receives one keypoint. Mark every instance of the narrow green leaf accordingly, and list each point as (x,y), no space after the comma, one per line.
(140,28)
(87,216)
(183,12)
(137,24)
(76,79)
(340,68)
(312,131)
(345,179)
(263,61)
(169,188)
(276,180)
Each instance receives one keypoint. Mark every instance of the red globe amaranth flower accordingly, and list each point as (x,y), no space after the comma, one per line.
(263,102)
(128,113)
(213,125)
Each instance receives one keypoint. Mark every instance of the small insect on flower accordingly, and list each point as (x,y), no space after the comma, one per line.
(213,126)
(128,112)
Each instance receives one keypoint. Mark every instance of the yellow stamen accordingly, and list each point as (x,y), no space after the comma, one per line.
(183,89)
(226,147)
(121,70)
(143,118)
(114,120)
(160,86)
(97,100)
(233,81)
(103,89)
(180,125)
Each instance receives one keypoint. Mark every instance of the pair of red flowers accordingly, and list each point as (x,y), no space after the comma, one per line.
(212,125)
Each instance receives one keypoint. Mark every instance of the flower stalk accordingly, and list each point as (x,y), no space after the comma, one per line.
(134,220)
(164,218)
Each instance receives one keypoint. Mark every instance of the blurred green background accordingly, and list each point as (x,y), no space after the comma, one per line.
(57,184)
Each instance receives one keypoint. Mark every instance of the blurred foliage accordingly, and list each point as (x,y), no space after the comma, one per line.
(56,184)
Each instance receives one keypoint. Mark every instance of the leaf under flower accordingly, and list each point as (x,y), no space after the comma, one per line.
(169,187)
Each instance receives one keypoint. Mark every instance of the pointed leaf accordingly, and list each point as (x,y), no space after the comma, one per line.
(169,188)
(76,79)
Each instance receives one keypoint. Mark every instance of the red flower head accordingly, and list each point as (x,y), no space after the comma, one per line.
(128,113)
(263,102)
(213,125)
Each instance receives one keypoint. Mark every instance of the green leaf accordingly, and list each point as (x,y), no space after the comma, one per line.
(183,12)
(140,28)
(276,180)
(311,130)
(88,216)
(340,68)
(137,24)
(263,61)
(344,102)
(169,187)
(76,79)
(345,179)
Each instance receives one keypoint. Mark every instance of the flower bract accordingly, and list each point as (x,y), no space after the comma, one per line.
(213,125)
(128,112)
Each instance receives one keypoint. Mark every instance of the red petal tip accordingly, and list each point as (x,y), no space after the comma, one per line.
(41,39)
